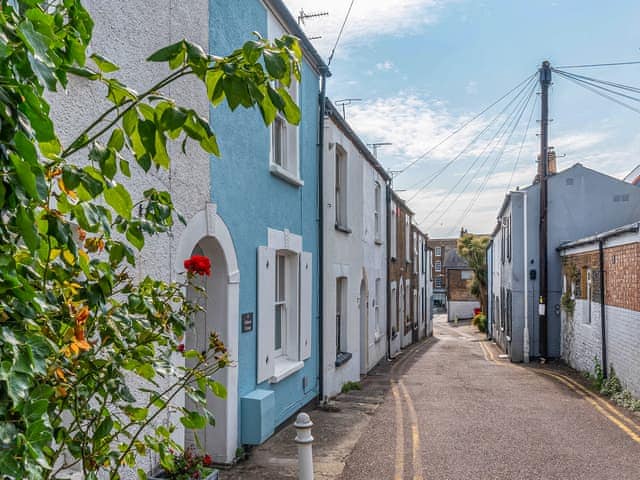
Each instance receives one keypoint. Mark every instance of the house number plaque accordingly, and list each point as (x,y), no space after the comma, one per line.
(247,322)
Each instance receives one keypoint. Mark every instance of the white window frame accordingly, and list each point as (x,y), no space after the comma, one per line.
(407,238)
(438,251)
(377,211)
(342,316)
(341,187)
(438,281)
(438,266)
(376,309)
(289,168)
(275,364)
(394,231)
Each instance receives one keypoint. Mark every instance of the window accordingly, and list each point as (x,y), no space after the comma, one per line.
(341,187)
(466,274)
(341,315)
(376,306)
(438,266)
(284,306)
(439,281)
(279,141)
(394,309)
(407,238)
(394,232)
(377,211)
(509,239)
(438,251)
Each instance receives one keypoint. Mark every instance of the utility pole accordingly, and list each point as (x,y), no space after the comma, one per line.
(543,172)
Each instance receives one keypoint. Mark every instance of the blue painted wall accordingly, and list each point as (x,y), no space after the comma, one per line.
(250,199)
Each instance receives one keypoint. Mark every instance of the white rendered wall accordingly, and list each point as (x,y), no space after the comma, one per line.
(460,310)
(342,257)
(128,31)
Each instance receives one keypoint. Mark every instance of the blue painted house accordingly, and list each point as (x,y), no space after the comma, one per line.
(261,230)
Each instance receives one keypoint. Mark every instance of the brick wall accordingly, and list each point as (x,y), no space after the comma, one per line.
(582,331)
(458,288)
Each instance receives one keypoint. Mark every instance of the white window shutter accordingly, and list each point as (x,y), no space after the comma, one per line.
(266,311)
(306,304)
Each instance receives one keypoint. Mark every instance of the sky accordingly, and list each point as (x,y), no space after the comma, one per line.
(424,68)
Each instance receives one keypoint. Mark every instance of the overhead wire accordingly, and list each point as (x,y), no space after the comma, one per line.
(605,82)
(440,171)
(495,164)
(462,127)
(600,65)
(499,134)
(596,84)
(344,23)
(510,125)
(524,137)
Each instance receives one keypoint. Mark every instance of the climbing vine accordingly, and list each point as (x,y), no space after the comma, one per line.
(75,325)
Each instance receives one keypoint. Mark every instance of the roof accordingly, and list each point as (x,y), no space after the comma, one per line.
(453,261)
(630,228)
(280,10)
(634,176)
(396,198)
(333,112)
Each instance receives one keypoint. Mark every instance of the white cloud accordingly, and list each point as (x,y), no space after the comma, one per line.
(368,19)
(385,66)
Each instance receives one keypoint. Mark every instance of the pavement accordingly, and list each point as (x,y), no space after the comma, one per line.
(451,408)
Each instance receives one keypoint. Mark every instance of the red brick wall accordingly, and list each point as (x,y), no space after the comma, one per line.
(458,289)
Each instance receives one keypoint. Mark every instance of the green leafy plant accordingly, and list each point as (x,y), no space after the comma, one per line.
(473,248)
(349,386)
(568,302)
(598,374)
(189,465)
(76,326)
(480,322)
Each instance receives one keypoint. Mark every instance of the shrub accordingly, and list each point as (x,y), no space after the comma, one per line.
(480,322)
(348,386)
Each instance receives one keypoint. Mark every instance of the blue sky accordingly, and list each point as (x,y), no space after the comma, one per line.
(423,67)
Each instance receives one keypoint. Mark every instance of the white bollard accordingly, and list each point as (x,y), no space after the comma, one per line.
(304,440)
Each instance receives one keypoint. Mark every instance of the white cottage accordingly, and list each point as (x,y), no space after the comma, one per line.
(354,256)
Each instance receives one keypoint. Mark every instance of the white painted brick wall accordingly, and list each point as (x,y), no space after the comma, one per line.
(582,341)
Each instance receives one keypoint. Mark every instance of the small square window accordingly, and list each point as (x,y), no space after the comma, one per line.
(438,251)
(438,266)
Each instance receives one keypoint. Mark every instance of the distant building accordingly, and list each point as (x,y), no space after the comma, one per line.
(582,202)
(440,247)
(460,302)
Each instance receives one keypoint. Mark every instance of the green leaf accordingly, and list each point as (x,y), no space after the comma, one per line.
(18,386)
(119,199)
(70,177)
(116,141)
(167,53)
(24,146)
(236,91)
(276,66)
(134,235)
(25,176)
(27,226)
(104,429)
(137,414)
(105,65)
(252,51)
(172,118)
(291,111)
(218,389)
(194,421)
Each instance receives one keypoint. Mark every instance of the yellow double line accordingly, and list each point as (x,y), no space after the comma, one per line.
(615,416)
(400,392)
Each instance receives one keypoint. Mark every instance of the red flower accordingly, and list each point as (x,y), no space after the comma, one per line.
(198,265)
(180,347)
(207,460)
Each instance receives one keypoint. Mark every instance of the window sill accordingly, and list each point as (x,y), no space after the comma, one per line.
(342,358)
(343,229)
(285,175)
(377,241)
(283,368)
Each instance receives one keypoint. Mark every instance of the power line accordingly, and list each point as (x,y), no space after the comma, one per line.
(499,134)
(524,137)
(604,82)
(600,65)
(510,123)
(340,33)
(594,90)
(495,163)
(413,162)
(473,141)
(596,84)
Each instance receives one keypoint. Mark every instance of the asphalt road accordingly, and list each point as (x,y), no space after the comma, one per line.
(457,411)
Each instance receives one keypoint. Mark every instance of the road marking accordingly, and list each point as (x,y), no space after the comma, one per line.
(415,434)
(622,422)
(399,467)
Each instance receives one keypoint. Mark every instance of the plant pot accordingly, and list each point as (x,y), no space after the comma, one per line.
(160,474)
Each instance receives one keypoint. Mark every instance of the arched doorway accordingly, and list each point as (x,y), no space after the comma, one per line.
(364,325)
(206,234)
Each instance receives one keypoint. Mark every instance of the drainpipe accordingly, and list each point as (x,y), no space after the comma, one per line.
(603,309)
(388,243)
(323,94)
(525,340)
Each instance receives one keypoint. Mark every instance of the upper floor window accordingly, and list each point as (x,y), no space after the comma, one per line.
(439,281)
(438,266)
(438,251)
(377,211)
(407,238)
(341,198)
(394,232)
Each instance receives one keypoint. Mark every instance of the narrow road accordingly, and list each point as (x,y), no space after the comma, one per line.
(457,411)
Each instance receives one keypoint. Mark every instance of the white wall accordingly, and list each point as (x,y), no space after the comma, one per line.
(342,257)
(127,31)
(582,341)
(457,309)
